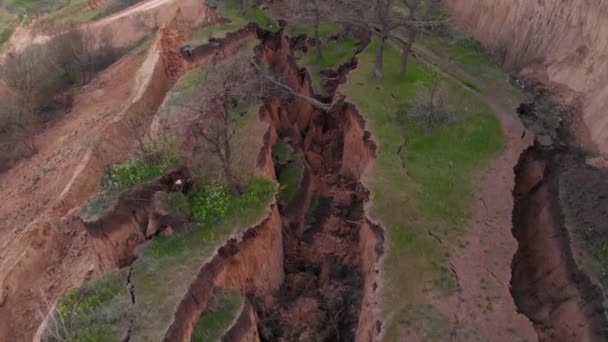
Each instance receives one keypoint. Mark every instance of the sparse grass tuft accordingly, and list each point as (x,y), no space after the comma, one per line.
(282,152)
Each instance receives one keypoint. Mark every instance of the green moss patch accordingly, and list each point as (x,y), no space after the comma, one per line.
(290,178)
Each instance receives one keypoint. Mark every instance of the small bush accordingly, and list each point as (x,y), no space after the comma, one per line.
(209,204)
(282,152)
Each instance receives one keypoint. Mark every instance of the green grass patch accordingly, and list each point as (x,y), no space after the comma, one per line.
(442,167)
(177,203)
(470,56)
(231,10)
(223,310)
(290,178)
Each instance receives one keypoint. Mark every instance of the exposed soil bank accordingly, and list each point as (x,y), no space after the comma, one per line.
(547,284)
(330,248)
(559,43)
(252,262)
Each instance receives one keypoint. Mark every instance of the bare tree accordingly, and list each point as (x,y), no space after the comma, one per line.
(222,97)
(430,107)
(24,73)
(79,54)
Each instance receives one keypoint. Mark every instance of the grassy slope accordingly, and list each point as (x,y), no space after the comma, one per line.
(443,167)
(225,308)
(230,10)
(468,55)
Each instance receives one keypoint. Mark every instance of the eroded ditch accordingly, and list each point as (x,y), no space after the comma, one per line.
(547,284)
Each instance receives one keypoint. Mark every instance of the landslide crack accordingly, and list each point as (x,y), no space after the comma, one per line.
(322,293)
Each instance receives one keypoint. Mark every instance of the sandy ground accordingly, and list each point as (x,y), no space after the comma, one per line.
(482,308)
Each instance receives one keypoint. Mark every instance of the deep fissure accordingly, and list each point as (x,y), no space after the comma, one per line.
(321,296)
(547,284)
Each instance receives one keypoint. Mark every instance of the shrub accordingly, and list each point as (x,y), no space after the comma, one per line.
(282,152)
(209,204)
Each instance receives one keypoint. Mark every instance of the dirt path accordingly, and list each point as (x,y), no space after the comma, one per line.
(483,309)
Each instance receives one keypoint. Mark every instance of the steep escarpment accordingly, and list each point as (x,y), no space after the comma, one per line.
(560,44)
(547,284)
